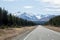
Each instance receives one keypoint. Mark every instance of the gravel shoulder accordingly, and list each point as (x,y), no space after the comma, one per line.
(57,29)
(9,33)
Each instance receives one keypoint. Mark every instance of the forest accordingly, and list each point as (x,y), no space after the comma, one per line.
(9,20)
(55,21)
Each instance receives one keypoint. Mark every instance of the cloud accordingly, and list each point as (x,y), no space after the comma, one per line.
(28,7)
(38,17)
(52,1)
(9,0)
(54,10)
(50,5)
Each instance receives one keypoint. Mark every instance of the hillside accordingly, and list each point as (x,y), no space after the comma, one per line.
(55,21)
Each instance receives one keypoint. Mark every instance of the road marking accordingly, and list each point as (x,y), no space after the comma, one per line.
(52,31)
(40,39)
(29,34)
(48,35)
(52,39)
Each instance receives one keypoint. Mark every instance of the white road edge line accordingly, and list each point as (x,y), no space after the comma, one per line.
(44,27)
(53,31)
(29,34)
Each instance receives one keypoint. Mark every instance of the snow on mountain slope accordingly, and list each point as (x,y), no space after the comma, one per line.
(31,17)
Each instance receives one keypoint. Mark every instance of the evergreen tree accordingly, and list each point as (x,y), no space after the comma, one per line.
(55,21)
(10,20)
(5,17)
(0,16)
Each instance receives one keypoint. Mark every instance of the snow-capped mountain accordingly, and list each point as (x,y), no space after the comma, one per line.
(36,17)
(47,18)
(29,17)
(39,19)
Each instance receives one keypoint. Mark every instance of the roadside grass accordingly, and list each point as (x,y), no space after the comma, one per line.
(10,32)
(53,28)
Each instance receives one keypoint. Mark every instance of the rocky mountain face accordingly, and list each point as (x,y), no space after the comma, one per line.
(35,18)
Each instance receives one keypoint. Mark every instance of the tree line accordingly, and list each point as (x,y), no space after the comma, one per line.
(55,21)
(9,19)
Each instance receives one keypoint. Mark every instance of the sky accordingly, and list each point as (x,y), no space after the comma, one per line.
(36,7)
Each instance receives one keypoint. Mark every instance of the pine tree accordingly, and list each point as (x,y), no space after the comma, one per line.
(0,16)
(5,17)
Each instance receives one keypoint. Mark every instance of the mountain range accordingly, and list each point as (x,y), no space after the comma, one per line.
(29,17)
(35,18)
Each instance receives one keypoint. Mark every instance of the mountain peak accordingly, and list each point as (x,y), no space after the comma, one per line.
(31,17)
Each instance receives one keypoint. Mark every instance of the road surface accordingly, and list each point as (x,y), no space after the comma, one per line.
(40,33)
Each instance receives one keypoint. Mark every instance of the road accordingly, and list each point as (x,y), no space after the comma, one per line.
(40,33)
(21,36)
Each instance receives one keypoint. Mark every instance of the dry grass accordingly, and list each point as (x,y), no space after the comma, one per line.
(53,28)
(10,32)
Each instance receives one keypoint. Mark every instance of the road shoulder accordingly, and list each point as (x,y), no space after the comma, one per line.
(7,34)
(57,29)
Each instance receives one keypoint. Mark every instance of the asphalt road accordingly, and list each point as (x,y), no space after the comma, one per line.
(21,36)
(40,33)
